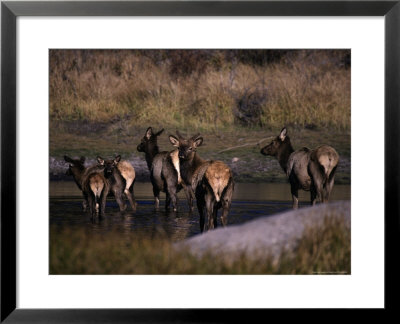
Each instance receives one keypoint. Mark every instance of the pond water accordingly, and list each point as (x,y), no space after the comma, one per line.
(250,201)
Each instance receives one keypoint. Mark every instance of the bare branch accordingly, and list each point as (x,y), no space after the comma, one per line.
(247,144)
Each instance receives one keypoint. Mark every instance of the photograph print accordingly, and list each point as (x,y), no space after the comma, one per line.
(200,161)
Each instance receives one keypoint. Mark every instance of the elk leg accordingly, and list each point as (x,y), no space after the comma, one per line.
(157,203)
(319,192)
(120,201)
(167,200)
(318,181)
(85,201)
(131,199)
(84,205)
(91,205)
(189,196)
(215,213)
(295,195)
(200,208)
(313,194)
(96,204)
(328,189)
(172,194)
(202,218)
(103,201)
(174,200)
(171,190)
(329,184)
(156,194)
(132,195)
(210,211)
(316,172)
(226,204)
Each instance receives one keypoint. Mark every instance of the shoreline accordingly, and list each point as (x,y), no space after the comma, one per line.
(255,171)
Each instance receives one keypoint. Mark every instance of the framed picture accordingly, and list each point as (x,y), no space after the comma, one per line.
(103,89)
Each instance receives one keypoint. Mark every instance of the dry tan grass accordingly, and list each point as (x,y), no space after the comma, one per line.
(305,89)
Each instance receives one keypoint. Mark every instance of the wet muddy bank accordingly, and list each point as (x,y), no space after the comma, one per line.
(257,170)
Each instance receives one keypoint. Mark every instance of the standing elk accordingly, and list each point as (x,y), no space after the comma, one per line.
(96,188)
(310,170)
(164,171)
(92,184)
(121,178)
(211,181)
(80,173)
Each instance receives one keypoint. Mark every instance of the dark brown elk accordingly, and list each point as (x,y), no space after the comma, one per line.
(310,170)
(164,171)
(211,181)
(94,187)
(119,185)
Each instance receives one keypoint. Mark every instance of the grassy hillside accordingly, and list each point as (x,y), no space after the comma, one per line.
(206,90)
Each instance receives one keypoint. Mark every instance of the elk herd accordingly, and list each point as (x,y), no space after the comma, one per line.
(210,182)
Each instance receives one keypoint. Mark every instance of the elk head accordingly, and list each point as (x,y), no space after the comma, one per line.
(108,165)
(75,165)
(149,140)
(187,147)
(277,144)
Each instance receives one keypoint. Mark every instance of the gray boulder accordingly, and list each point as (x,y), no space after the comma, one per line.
(266,236)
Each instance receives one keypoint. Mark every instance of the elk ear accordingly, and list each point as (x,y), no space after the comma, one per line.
(174,141)
(117,159)
(100,160)
(283,134)
(160,132)
(82,159)
(198,141)
(149,132)
(68,159)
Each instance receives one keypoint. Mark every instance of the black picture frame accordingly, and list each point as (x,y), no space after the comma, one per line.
(11,10)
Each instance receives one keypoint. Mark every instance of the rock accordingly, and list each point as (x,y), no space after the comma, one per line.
(266,236)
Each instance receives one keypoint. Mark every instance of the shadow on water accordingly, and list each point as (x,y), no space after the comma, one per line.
(250,201)
(67,212)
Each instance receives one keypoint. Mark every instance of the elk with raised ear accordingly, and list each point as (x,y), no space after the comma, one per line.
(164,171)
(211,181)
(310,170)
(119,185)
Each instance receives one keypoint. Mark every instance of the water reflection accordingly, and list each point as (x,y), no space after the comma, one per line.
(250,201)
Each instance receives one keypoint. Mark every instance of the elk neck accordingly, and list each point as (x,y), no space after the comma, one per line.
(151,152)
(188,167)
(283,154)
